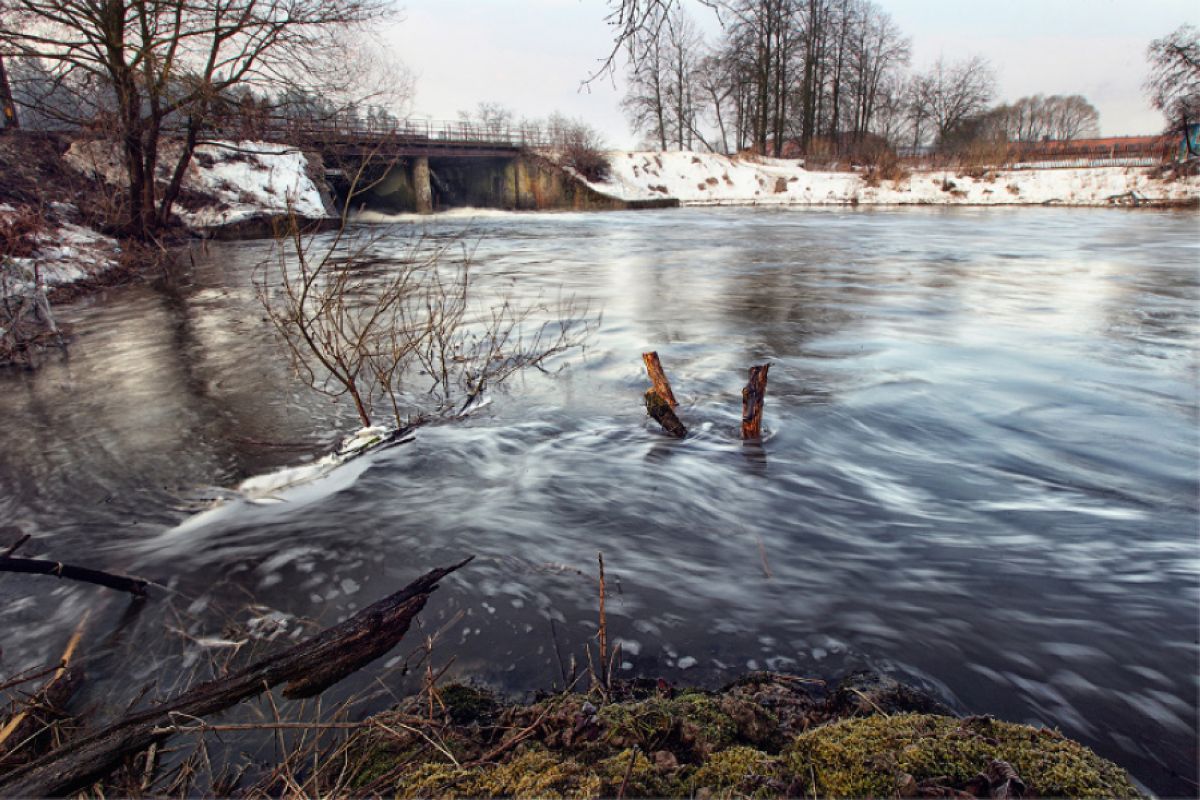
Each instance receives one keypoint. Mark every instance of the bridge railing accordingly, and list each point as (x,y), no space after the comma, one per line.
(371,130)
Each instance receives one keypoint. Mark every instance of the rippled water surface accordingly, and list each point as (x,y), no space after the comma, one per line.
(980,469)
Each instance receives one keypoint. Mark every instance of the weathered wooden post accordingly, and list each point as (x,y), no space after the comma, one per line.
(658,377)
(752,402)
(660,400)
(662,412)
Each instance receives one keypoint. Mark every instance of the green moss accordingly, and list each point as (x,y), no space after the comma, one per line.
(468,704)
(870,756)
(736,772)
(643,779)
(431,779)
(691,725)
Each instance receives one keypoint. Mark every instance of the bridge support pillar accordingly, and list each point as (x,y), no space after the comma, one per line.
(421,185)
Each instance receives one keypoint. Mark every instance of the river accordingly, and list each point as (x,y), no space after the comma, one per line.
(980,468)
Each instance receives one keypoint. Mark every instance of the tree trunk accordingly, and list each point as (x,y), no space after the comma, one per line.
(171,193)
(7,107)
(149,204)
(752,402)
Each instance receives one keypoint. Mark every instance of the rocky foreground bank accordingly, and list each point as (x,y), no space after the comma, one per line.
(766,735)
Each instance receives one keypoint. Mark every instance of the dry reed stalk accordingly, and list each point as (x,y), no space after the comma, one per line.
(60,671)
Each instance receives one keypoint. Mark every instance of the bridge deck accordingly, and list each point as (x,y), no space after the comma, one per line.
(390,138)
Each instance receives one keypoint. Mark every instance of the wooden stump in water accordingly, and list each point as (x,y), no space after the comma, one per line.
(659,378)
(660,409)
(752,402)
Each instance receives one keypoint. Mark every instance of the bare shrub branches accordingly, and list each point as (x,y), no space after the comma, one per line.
(1174,82)
(403,331)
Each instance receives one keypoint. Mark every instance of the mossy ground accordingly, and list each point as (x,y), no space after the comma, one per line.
(766,736)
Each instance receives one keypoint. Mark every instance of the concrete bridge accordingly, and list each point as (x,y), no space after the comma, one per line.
(421,166)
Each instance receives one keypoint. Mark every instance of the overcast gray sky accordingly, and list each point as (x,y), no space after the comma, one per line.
(532,55)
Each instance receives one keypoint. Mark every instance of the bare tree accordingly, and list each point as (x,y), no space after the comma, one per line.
(489,118)
(165,62)
(784,70)
(684,45)
(1174,82)
(879,52)
(716,84)
(645,100)
(1074,118)
(949,95)
(1032,119)
(404,332)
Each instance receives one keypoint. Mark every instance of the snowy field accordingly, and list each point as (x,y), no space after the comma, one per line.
(709,179)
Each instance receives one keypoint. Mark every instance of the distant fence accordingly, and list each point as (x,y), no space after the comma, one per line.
(1117,151)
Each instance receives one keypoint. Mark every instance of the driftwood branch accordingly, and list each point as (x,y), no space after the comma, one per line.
(54,694)
(752,402)
(306,668)
(660,409)
(15,546)
(38,566)
(659,378)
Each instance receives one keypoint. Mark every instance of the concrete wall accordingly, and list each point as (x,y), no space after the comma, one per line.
(526,183)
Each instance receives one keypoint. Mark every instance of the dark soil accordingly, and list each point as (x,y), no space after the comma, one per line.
(36,175)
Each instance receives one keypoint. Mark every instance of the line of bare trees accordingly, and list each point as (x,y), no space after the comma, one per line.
(818,78)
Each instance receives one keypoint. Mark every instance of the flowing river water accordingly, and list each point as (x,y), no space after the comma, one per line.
(980,468)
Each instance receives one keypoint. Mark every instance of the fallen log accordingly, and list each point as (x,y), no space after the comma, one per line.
(752,402)
(659,378)
(658,407)
(38,566)
(307,669)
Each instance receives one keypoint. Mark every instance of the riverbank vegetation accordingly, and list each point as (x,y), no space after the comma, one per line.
(764,735)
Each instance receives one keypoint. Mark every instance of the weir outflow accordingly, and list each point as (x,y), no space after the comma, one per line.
(424,184)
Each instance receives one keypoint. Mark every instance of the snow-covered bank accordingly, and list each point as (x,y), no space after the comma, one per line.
(710,179)
(60,252)
(226,182)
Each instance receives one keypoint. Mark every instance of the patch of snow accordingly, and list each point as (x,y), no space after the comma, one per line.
(296,487)
(265,487)
(251,179)
(711,179)
(244,179)
(65,253)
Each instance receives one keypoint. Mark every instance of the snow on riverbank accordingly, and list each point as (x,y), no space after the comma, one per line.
(226,182)
(710,179)
(63,253)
